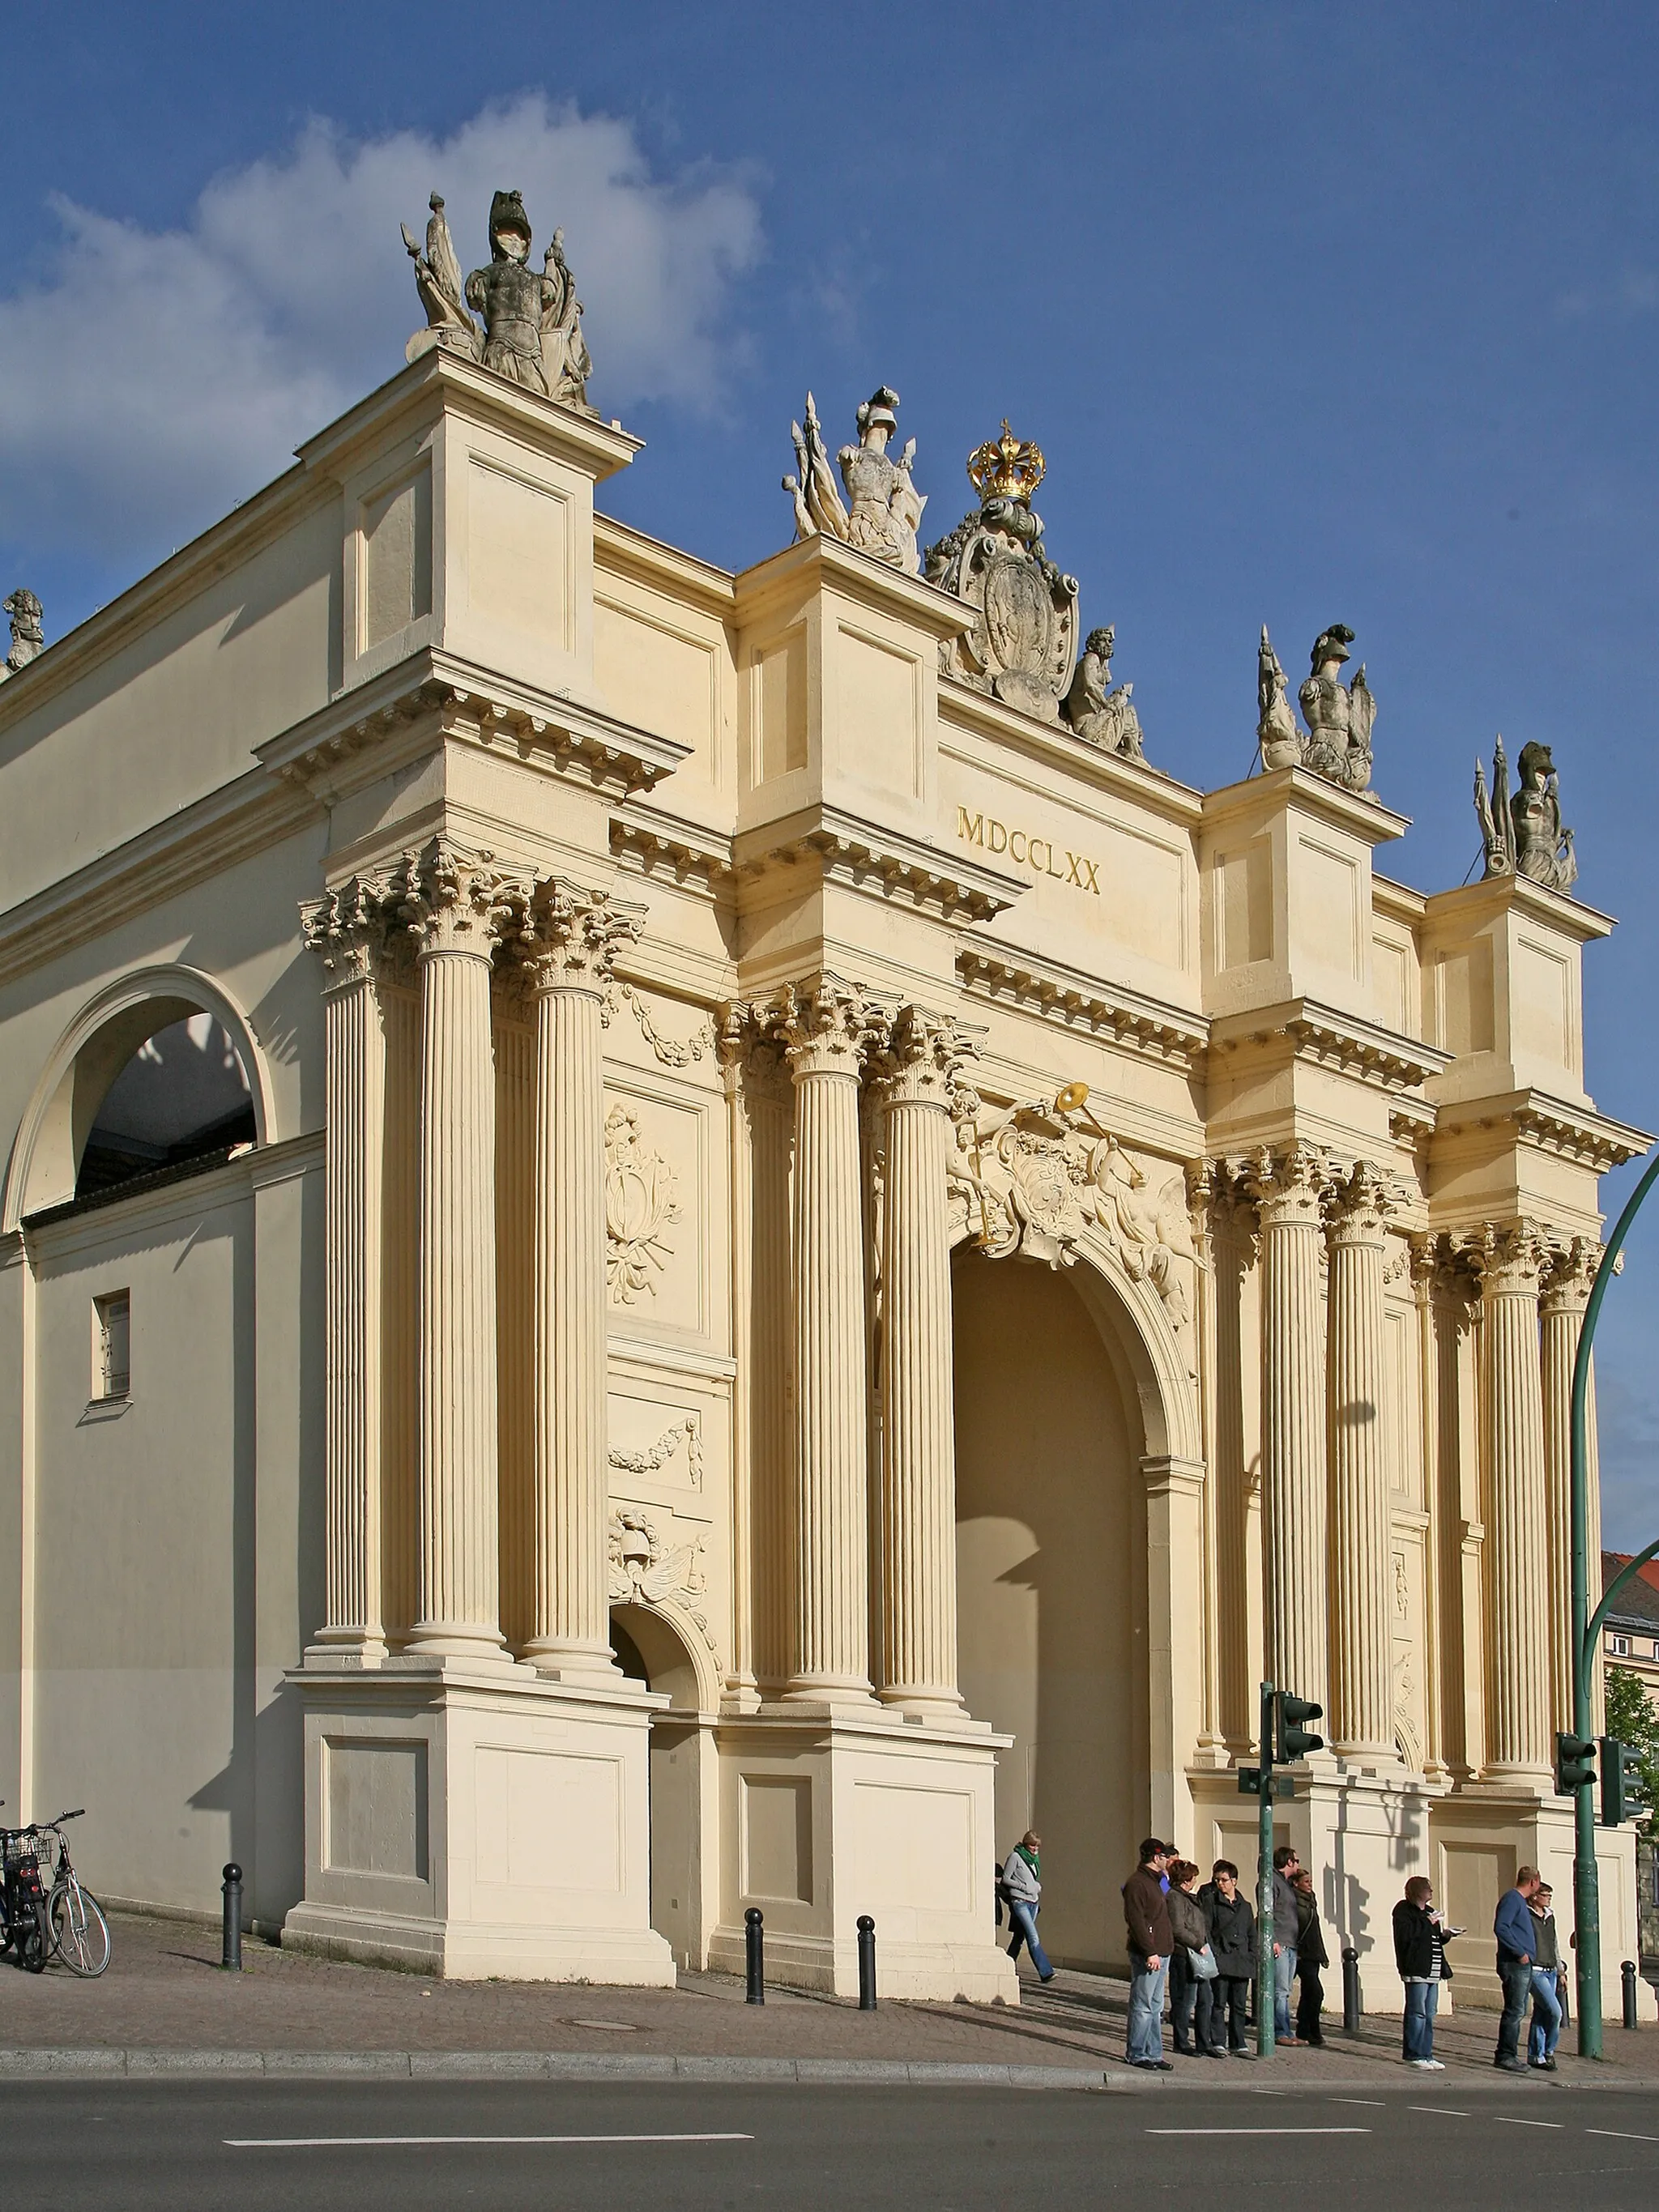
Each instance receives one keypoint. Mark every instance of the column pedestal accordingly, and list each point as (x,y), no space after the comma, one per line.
(474,1822)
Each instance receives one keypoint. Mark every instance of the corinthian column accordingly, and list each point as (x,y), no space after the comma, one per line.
(1362,1704)
(919,1472)
(821,1024)
(1518,1740)
(348,928)
(453,907)
(1286,1186)
(575,935)
(1565,1293)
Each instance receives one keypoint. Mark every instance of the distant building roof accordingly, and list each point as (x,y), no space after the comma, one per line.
(1639,1600)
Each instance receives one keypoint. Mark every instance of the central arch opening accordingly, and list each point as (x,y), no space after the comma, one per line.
(1051,1581)
(649,1650)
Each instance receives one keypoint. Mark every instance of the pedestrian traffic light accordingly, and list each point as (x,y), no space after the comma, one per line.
(1575,1763)
(1624,1794)
(1296,1741)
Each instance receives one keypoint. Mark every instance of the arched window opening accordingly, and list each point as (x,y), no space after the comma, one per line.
(183,1095)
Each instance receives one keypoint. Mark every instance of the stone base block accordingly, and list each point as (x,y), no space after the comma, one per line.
(830,1814)
(479,1821)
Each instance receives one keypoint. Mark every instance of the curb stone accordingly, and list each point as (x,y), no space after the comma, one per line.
(106,2065)
(103,2063)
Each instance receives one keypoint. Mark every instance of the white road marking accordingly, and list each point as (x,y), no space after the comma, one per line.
(1504,2121)
(1258,2131)
(1621,2135)
(1377,2102)
(1450,2110)
(376,2142)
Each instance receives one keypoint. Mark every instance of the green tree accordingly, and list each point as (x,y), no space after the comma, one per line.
(1633,1719)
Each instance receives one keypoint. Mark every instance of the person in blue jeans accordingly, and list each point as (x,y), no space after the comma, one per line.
(1546,2030)
(1022,1891)
(1287,1930)
(1146,1917)
(1419,1952)
(1516,1932)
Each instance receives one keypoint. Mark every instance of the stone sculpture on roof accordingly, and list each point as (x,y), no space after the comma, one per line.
(1337,743)
(1523,835)
(1023,640)
(882,511)
(1100,715)
(532,320)
(27,637)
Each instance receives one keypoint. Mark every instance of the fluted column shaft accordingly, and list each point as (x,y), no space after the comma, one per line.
(454,905)
(821,1024)
(347,929)
(575,935)
(1565,1293)
(919,1475)
(1362,1632)
(1286,1188)
(1518,1737)
(572,937)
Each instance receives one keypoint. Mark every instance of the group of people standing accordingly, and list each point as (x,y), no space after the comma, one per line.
(1199,1940)
(1197,1944)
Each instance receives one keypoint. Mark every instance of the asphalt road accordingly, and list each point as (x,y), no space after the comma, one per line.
(414,2145)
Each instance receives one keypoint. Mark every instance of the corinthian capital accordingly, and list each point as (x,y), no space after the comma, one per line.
(570,936)
(918,1057)
(1568,1275)
(1359,1206)
(1287,1184)
(823,1025)
(1509,1257)
(453,901)
(347,927)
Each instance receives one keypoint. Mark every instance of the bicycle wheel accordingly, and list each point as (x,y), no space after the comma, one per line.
(80,1933)
(35,1947)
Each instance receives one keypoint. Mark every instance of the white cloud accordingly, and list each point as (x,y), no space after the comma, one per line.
(155,378)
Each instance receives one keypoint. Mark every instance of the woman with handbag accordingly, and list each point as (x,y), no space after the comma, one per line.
(1192,1967)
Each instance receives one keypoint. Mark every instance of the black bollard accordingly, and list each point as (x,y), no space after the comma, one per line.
(1627,1976)
(866,1963)
(233,1950)
(1350,1989)
(754,1946)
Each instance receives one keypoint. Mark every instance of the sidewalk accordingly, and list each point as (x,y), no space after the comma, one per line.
(165,1992)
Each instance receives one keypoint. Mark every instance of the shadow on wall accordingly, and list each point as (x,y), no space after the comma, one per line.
(1051,1547)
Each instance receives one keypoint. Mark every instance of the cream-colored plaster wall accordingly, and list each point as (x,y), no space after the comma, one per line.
(1051,1548)
(173,711)
(176,1565)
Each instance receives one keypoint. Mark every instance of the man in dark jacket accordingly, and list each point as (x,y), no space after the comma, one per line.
(1512,1925)
(1286,1867)
(1147,1915)
(1311,1956)
(1232,1940)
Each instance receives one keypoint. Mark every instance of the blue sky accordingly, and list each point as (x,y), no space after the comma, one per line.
(1319,313)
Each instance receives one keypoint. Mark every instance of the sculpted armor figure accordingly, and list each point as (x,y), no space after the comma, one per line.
(882,509)
(532,320)
(1523,835)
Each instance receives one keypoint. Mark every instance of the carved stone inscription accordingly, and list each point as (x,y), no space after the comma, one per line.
(1043,855)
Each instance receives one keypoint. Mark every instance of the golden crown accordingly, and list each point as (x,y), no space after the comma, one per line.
(1007,467)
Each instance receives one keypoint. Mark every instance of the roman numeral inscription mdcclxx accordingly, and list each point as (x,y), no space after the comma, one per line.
(1040,853)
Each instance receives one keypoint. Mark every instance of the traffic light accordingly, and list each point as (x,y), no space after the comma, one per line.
(1623,1795)
(1575,1763)
(1296,1741)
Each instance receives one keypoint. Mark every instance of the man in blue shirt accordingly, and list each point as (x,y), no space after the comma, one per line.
(1513,1925)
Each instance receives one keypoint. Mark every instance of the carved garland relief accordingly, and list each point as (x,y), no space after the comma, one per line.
(641,1199)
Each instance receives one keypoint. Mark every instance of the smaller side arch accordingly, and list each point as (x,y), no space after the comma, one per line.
(677,1659)
(91,1051)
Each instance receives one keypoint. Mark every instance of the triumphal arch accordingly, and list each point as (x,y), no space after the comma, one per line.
(677,1241)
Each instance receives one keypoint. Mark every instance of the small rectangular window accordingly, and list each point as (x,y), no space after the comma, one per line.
(1619,1646)
(111,1350)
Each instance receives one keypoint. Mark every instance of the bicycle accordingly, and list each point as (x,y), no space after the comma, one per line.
(80,1933)
(24,1926)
